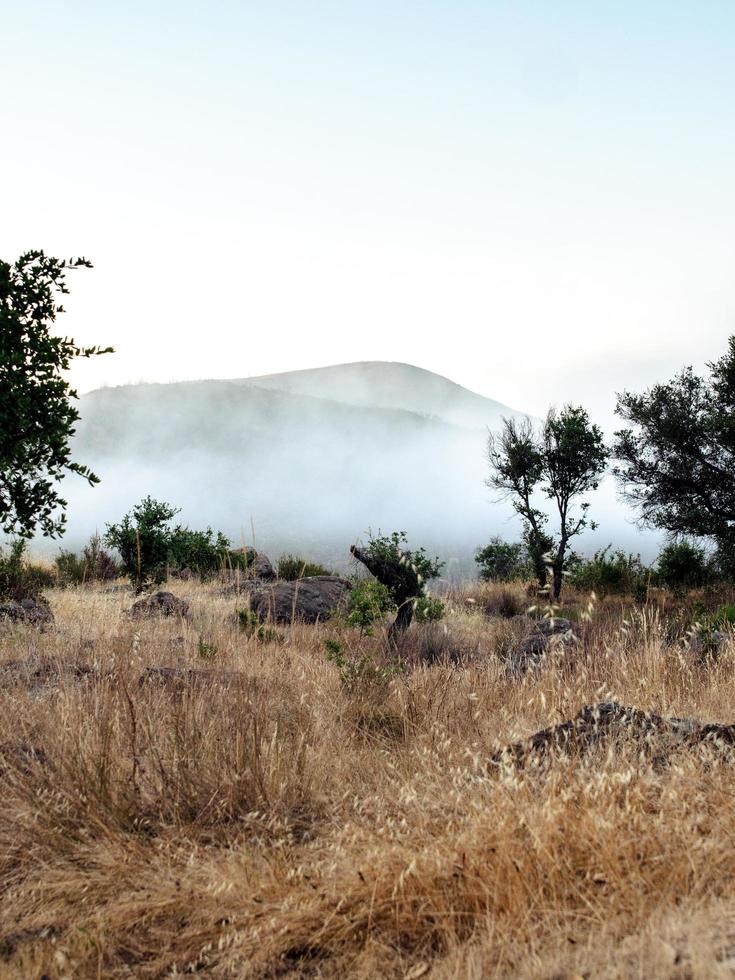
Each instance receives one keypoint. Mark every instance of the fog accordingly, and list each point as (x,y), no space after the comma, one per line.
(310,462)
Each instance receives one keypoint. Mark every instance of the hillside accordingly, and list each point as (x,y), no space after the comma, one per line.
(311,458)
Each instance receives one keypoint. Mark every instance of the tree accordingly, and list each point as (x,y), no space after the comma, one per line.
(143,540)
(501,561)
(677,464)
(37,414)
(563,460)
(404,574)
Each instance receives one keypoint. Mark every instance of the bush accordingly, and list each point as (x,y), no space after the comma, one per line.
(202,552)
(96,564)
(610,572)
(428,609)
(500,561)
(368,602)
(291,568)
(143,539)
(149,546)
(683,565)
(19,578)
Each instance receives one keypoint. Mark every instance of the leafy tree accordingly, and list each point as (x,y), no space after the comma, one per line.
(404,573)
(143,540)
(37,414)
(501,561)
(563,460)
(683,565)
(676,463)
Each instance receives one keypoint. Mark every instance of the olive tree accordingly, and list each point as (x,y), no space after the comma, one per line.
(37,411)
(562,460)
(676,461)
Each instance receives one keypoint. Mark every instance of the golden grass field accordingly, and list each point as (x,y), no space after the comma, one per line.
(284,824)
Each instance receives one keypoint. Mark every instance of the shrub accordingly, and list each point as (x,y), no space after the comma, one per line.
(291,567)
(610,572)
(501,561)
(96,564)
(683,565)
(19,578)
(250,625)
(142,539)
(202,552)
(368,602)
(428,609)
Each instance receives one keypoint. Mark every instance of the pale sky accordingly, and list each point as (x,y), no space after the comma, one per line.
(534,199)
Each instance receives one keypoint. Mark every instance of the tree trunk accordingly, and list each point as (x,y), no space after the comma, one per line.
(401,581)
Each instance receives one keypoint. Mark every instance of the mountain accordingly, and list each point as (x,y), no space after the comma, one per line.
(390,384)
(310,459)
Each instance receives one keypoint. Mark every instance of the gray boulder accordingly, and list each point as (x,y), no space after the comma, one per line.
(161,604)
(548,634)
(306,600)
(259,567)
(27,611)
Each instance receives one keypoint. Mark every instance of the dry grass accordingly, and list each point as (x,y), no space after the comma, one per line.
(285,824)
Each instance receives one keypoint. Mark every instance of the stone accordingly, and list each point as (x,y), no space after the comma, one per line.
(259,567)
(610,721)
(161,604)
(547,634)
(27,611)
(307,600)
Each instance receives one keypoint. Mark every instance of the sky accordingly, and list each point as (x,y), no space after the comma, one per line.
(534,199)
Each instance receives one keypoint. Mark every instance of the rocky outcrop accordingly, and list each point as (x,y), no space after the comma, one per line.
(307,600)
(35,673)
(608,722)
(548,634)
(161,604)
(27,611)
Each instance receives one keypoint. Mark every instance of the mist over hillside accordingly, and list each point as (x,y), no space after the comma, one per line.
(307,461)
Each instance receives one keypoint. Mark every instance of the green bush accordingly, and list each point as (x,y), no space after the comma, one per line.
(20,578)
(202,552)
(501,561)
(683,565)
(143,538)
(291,568)
(250,625)
(610,572)
(368,602)
(428,609)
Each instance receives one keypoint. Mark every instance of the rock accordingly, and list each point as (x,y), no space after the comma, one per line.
(306,600)
(547,635)
(161,604)
(259,567)
(610,721)
(34,673)
(27,611)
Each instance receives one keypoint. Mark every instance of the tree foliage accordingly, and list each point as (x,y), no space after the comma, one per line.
(563,461)
(676,464)
(404,573)
(143,541)
(502,561)
(37,414)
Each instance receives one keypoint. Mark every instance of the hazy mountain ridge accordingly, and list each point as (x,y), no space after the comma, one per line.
(305,455)
(306,460)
